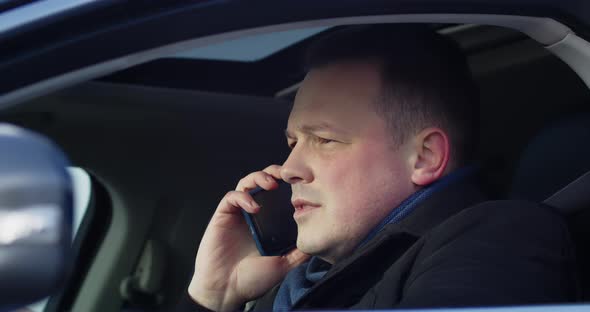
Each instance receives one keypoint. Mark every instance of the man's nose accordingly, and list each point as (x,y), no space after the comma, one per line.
(296,168)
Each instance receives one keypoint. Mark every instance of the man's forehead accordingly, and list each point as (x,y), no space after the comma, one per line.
(338,86)
(335,98)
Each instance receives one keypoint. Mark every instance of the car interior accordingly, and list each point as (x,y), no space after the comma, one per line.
(163,141)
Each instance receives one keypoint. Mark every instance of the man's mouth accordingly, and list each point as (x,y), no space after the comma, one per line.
(302,207)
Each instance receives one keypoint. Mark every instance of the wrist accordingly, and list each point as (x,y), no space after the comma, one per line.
(213,301)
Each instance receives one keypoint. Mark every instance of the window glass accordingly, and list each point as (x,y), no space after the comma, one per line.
(251,48)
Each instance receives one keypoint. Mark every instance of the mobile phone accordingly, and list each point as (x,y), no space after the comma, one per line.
(273,227)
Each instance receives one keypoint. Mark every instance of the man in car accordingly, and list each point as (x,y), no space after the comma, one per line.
(382,134)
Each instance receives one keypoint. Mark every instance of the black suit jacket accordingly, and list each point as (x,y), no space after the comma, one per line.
(454,250)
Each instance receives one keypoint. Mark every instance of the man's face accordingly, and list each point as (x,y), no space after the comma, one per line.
(345,172)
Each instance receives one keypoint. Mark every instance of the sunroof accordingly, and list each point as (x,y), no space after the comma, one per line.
(251,48)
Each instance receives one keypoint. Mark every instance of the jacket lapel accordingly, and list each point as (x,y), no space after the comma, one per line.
(362,271)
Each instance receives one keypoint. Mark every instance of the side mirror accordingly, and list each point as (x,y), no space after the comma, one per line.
(35,216)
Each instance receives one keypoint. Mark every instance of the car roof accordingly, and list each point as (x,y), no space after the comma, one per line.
(27,51)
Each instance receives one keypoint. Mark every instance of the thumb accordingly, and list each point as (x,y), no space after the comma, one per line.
(257,275)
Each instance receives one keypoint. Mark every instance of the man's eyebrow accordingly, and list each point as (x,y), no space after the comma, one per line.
(309,129)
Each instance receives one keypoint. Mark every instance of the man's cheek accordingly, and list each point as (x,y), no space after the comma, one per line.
(344,169)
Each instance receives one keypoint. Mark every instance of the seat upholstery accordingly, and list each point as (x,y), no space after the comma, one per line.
(555,157)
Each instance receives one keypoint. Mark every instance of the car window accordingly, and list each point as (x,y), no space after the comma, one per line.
(251,48)
(82,194)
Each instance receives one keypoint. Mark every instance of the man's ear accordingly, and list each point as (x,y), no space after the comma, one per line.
(432,149)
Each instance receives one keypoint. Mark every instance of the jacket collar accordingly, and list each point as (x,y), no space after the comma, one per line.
(441,205)
(407,207)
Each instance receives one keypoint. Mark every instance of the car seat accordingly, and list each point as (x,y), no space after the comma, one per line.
(556,157)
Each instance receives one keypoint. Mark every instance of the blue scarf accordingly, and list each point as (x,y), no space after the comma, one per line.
(299,280)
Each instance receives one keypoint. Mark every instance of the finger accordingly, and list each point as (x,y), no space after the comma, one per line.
(274,170)
(234,201)
(255,179)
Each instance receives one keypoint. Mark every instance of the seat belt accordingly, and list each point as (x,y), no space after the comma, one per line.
(573,197)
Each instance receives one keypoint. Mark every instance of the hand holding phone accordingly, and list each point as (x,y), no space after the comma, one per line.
(227,250)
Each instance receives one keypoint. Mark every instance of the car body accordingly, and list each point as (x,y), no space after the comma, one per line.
(164,135)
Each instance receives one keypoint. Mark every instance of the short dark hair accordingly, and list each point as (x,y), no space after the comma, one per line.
(425,77)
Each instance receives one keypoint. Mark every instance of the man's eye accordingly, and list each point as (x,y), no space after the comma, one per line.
(292,144)
(324,140)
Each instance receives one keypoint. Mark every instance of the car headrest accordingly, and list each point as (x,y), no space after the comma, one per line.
(557,156)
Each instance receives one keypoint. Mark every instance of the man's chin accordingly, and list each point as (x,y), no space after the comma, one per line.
(310,244)
(306,246)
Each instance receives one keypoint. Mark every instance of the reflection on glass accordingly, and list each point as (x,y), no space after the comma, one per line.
(82,190)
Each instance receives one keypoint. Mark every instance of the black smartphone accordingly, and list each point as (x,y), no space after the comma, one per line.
(273,227)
